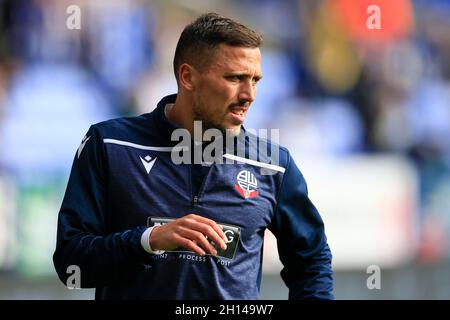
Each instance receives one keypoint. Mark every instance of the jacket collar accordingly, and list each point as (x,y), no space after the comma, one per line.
(166,127)
(161,115)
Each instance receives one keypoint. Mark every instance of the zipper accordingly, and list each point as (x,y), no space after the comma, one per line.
(196,198)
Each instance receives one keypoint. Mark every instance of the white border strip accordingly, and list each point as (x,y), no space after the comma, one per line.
(169,149)
(137,146)
(255,163)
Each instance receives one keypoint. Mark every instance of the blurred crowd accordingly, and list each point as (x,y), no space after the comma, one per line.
(335,87)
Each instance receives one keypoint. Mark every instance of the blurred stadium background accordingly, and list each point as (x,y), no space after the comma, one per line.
(366,114)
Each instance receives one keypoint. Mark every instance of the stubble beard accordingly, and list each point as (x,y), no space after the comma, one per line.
(200,114)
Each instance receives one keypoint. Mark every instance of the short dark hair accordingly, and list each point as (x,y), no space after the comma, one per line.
(205,34)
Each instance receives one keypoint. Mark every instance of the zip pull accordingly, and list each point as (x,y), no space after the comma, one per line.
(195,200)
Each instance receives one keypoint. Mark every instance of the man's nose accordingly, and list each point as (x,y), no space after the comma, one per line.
(247,91)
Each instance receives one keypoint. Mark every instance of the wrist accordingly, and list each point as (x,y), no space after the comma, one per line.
(147,243)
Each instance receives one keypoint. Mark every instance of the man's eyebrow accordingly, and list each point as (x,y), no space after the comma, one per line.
(242,74)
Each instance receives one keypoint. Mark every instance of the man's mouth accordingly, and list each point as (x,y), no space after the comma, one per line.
(238,113)
(239,109)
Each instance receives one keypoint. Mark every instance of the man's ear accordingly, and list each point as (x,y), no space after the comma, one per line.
(188,77)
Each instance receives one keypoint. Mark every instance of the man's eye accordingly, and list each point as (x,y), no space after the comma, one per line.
(234,78)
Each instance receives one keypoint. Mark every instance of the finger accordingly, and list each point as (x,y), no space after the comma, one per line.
(199,239)
(217,228)
(212,223)
(211,233)
(189,244)
(207,230)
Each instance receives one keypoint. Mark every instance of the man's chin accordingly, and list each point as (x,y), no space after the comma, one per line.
(233,130)
(226,129)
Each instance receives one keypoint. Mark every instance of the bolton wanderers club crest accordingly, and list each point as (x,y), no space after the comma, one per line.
(247,185)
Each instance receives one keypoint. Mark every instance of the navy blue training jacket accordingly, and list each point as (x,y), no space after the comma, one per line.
(123,180)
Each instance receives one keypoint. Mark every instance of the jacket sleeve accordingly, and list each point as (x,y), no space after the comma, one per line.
(82,238)
(301,240)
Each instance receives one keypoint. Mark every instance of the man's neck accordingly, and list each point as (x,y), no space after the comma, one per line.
(180,113)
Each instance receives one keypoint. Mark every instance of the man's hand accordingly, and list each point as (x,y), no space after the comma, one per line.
(190,232)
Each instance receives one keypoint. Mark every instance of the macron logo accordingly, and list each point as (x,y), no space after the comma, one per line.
(148,163)
(83,143)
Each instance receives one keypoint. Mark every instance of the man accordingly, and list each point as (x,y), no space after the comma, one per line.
(141,226)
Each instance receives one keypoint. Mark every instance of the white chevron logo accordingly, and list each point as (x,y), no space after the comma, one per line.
(148,163)
(83,143)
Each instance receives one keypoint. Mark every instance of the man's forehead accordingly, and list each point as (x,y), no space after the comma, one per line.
(232,57)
